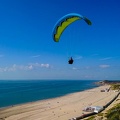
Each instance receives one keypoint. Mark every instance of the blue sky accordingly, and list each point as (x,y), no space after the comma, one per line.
(27,50)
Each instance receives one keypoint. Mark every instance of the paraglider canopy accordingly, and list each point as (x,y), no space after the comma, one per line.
(64,22)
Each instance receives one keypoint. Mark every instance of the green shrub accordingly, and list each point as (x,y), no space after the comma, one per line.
(115,86)
(100,114)
(114,113)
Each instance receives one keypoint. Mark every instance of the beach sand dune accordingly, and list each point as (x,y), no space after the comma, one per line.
(61,108)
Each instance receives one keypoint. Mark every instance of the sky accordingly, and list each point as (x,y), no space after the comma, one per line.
(28,51)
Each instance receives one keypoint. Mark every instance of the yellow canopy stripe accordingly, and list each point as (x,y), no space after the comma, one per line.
(63,26)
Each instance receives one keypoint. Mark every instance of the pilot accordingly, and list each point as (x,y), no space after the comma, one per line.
(71,61)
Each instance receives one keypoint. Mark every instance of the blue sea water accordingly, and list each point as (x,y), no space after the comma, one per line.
(21,91)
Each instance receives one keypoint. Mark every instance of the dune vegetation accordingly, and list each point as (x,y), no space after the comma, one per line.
(113,113)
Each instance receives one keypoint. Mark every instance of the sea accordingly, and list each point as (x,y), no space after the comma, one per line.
(13,92)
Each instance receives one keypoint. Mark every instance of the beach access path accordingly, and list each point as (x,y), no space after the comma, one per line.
(61,108)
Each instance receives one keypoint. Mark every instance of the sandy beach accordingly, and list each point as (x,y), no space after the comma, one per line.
(61,108)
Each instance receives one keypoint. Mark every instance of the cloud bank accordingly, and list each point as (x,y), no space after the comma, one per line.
(28,67)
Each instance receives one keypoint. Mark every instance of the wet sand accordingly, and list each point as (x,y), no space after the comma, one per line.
(61,108)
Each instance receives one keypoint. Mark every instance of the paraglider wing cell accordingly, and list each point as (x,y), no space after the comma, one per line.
(87,21)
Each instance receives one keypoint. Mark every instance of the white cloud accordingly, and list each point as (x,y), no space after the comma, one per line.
(35,56)
(45,65)
(3,69)
(27,67)
(104,66)
(78,57)
(12,68)
(107,58)
(40,65)
(35,64)
(32,66)
(74,68)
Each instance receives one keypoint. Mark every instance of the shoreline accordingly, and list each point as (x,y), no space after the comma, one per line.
(45,99)
(35,92)
(39,100)
(60,108)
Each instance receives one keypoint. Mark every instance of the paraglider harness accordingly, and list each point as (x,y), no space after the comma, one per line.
(71,61)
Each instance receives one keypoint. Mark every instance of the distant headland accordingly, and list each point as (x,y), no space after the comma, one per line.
(108,82)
